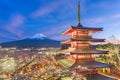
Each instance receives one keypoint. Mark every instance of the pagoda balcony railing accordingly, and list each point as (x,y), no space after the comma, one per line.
(83,59)
(91,59)
(81,47)
(86,59)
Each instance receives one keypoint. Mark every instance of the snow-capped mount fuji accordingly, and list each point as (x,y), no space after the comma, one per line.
(39,36)
(37,41)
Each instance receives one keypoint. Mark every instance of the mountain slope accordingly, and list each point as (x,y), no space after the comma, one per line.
(32,42)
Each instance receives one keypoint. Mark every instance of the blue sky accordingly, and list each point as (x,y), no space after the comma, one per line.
(21,19)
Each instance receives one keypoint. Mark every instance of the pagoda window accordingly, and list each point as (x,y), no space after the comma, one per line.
(77,44)
(74,34)
(83,44)
(84,36)
(81,57)
(73,44)
(82,32)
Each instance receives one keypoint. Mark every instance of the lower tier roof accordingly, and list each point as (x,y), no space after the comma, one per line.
(98,77)
(89,64)
(79,51)
(83,51)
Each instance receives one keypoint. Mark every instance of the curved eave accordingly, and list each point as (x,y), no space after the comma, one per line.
(83,52)
(91,64)
(98,77)
(91,40)
(72,28)
(89,28)
(66,41)
(96,52)
(69,30)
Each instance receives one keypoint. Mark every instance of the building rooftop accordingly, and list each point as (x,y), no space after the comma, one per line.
(89,64)
(88,51)
(82,39)
(83,51)
(79,26)
(73,28)
(98,77)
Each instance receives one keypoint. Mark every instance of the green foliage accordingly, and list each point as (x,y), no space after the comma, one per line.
(105,46)
(66,62)
(66,78)
(113,56)
(103,58)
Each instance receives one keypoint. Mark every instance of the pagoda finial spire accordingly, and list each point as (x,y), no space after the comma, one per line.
(79,24)
(78,12)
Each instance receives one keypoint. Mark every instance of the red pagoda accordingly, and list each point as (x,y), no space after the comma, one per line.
(81,50)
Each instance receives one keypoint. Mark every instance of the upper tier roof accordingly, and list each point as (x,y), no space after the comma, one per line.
(82,39)
(80,27)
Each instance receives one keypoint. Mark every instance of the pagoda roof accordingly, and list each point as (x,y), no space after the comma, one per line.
(82,39)
(89,64)
(89,51)
(97,77)
(83,51)
(80,27)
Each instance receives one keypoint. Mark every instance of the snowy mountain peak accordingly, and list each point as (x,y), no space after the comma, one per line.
(39,36)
